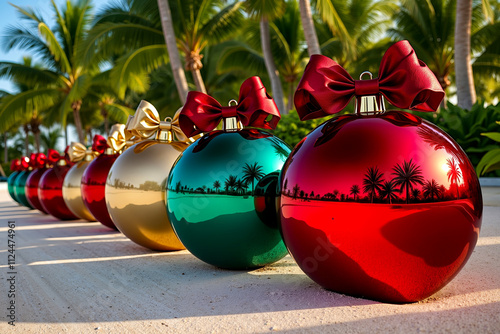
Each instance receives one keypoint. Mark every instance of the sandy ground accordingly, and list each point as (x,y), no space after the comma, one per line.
(80,277)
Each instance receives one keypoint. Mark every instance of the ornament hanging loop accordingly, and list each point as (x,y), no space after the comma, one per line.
(165,131)
(231,124)
(370,104)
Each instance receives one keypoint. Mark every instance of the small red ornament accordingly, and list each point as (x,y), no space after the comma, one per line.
(381,205)
(39,165)
(94,181)
(50,187)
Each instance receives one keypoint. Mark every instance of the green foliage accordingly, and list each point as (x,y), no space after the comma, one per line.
(467,127)
(292,130)
(491,160)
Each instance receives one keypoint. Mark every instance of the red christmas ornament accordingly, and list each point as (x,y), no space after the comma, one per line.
(50,187)
(381,205)
(38,162)
(94,181)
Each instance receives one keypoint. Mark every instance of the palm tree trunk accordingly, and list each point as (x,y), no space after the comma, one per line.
(173,51)
(466,93)
(106,125)
(65,136)
(26,139)
(276,86)
(75,106)
(308,27)
(198,81)
(291,91)
(37,140)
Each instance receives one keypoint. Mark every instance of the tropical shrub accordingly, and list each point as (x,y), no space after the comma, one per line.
(292,130)
(491,160)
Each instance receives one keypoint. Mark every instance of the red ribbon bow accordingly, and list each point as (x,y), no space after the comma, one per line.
(25,163)
(40,160)
(202,113)
(405,81)
(53,156)
(99,144)
(15,165)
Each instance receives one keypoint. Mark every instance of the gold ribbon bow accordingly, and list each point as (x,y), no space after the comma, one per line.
(78,152)
(146,122)
(120,138)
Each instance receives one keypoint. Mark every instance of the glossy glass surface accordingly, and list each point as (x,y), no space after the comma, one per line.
(135,194)
(10,184)
(50,193)
(32,188)
(72,193)
(19,188)
(385,207)
(92,187)
(210,198)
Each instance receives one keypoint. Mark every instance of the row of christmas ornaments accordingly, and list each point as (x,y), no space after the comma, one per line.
(235,197)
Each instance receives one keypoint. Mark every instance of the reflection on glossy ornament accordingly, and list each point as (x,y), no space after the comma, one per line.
(72,193)
(135,189)
(92,187)
(32,188)
(10,184)
(19,188)
(384,206)
(50,192)
(14,167)
(211,188)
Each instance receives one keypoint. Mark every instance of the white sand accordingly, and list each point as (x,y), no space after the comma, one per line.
(80,277)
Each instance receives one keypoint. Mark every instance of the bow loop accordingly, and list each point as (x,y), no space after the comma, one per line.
(15,165)
(146,122)
(78,152)
(25,163)
(99,144)
(41,160)
(53,156)
(202,113)
(406,82)
(118,137)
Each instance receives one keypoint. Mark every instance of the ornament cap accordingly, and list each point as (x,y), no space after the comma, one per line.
(372,103)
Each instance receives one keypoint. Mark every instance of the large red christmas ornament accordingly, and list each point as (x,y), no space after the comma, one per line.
(135,189)
(50,187)
(211,190)
(15,167)
(72,194)
(381,205)
(39,164)
(94,181)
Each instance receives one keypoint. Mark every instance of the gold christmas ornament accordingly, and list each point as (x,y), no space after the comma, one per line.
(135,188)
(71,192)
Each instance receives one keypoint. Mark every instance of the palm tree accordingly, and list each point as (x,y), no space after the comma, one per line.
(372,182)
(429,26)
(230,184)
(65,83)
(265,11)
(240,186)
(466,93)
(295,191)
(353,30)
(407,176)
(173,51)
(287,46)
(415,194)
(355,191)
(388,191)
(308,27)
(216,185)
(454,173)
(251,173)
(431,189)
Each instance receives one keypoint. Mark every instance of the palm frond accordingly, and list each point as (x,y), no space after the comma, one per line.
(242,58)
(27,75)
(131,70)
(224,24)
(55,47)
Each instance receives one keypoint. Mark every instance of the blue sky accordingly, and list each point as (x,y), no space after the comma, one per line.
(10,16)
